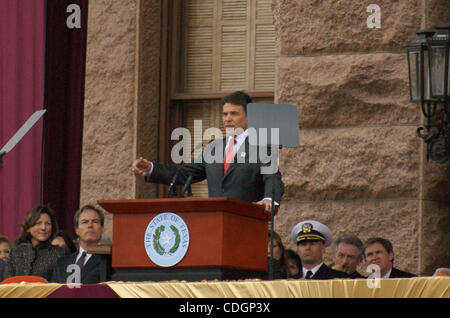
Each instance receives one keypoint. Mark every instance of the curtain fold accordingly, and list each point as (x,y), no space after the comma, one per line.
(64,100)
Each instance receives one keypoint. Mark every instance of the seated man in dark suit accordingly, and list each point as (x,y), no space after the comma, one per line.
(312,238)
(379,251)
(93,268)
(348,254)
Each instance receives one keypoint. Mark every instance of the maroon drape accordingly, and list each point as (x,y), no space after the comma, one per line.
(64,96)
(22,47)
(42,64)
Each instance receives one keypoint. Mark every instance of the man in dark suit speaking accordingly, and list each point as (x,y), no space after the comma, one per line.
(238,169)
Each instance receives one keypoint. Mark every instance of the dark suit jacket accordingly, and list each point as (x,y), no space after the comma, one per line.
(396,273)
(355,275)
(325,272)
(96,270)
(243,179)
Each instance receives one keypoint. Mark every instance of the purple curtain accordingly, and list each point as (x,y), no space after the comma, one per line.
(22,51)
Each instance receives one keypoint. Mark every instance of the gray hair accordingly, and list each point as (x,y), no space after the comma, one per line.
(442,271)
(349,239)
(88,207)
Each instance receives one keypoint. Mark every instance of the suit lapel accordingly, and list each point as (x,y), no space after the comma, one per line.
(321,272)
(217,167)
(61,273)
(73,258)
(393,273)
(92,263)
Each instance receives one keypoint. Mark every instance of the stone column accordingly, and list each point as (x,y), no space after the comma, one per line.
(360,166)
(121,98)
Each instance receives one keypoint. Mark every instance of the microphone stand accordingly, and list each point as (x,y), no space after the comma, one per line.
(284,119)
(172,191)
(187,186)
(271,229)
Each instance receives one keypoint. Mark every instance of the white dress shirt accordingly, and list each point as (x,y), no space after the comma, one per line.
(239,141)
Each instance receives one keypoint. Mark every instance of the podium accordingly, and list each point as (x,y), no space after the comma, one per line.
(227,239)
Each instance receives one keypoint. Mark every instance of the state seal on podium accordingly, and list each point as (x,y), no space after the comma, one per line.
(166,239)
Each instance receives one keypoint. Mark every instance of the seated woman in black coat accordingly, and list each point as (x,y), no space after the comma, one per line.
(33,253)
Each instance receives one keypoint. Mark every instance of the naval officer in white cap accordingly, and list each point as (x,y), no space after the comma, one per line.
(312,238)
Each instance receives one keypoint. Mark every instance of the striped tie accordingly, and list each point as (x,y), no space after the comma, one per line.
(80,261)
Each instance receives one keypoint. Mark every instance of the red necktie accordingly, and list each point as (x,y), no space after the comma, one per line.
(229,154)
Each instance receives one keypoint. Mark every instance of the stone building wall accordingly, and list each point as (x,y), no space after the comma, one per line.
(359,168)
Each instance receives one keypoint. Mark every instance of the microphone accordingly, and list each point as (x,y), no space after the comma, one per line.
(171,190)
(187,186)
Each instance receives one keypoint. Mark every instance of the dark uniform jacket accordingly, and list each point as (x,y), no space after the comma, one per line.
(396,273)
(325,272)
(356,275)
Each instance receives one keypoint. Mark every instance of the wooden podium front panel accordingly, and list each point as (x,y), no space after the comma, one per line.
(217,239)
(245,243)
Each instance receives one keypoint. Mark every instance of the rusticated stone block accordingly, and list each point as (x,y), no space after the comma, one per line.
(352,164)
(435,180)
(330,26)
(347,90)
(435,242)
(395,220)
(437,12)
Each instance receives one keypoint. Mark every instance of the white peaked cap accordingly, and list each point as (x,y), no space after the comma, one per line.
(311,230)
